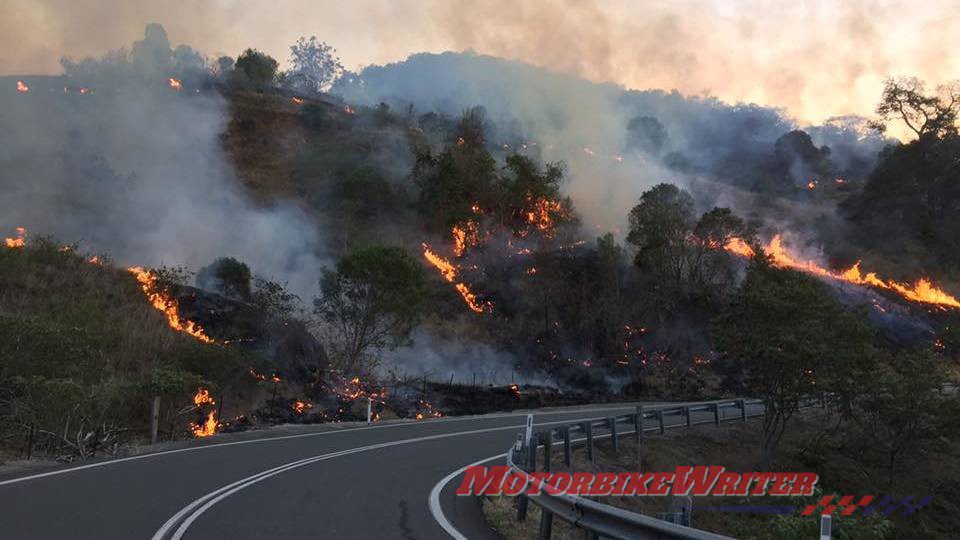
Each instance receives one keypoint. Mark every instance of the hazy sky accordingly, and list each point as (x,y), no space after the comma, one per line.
(815,58)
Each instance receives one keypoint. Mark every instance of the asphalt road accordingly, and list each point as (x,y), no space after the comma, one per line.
(363,482)
(345,482)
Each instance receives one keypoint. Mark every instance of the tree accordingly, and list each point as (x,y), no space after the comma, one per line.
(647,134)
(790,338)
(371,302)
(659,227)
(902,411)
(255,68)
(226,276)
(905,99)
(316,65)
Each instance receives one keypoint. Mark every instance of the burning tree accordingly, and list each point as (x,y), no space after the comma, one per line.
(370,302)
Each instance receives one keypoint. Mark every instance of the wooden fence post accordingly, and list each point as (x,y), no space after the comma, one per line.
(588,429)
(154,419)
(743,409)
(612,422)
(547,448)
(566,446)
(716,414)
(660,420)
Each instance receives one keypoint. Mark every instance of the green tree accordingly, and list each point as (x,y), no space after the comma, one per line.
(790,338)
(226,276)
(660,226)
(316,65)
(371,302)
(255,68)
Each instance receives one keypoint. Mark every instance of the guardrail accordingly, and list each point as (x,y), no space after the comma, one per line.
(603,520)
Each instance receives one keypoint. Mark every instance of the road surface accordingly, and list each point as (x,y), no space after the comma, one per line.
(330,482)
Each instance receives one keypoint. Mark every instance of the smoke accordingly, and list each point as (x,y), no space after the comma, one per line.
(136,168)
(817,59)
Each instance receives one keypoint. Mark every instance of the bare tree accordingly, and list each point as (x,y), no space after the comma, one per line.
(316,65)
(907,100)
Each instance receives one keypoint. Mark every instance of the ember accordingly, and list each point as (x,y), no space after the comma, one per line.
(175,84)
(22,88)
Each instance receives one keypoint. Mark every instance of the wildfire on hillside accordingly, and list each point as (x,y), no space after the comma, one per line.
(209,426)
(22,88)
(166,305)
(175,84)
(19,241)
(449,273)
(923,290)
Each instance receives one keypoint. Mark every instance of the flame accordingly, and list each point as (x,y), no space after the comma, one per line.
(300,407)
(923,290)
(19,241)
(166,305)
(175,84)
(22,88)
(464,236)
(449,273)
(209,426)
(349,110)
(297,100)
(95,260)
(541,214)
(812,185)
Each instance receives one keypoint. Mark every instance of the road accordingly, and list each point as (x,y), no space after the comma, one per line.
(360,482)
(329,482)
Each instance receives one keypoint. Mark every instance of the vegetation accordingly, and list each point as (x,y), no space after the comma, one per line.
(256,69)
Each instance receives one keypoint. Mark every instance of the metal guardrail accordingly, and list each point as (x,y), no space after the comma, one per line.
(603,520)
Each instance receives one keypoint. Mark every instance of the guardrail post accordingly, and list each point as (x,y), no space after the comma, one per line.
(566,445)
(588,429)
(716,414)
(686,414)
(825,527)
(532,464)
(546,524)
(612,421)
(660,420)
(743,409)
(547,448)
(638,423)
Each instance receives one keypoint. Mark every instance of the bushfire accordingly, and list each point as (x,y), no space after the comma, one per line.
(19,241)
(449,273)
(166,305)
(922,291)
(209,426)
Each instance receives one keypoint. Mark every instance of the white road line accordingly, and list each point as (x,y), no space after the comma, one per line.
(433,501)
(288,437)
(187,515)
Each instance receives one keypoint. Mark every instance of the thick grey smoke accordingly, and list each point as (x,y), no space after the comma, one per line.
(136,168)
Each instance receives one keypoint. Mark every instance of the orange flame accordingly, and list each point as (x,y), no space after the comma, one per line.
(542,215)
(209,426)
(19,241)
(300,407)
(923,290)
(166,305)
(449,273)
(349,110)
(297,100)
(175,84)
(22,88)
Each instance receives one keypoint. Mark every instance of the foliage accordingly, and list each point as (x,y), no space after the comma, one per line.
(684,257)
(370,302)
(902,410)
(316,65)
(647,134)
(255,68)
(791,339)
(926,115)
(226,276)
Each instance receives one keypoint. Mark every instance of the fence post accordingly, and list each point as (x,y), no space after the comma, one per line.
(716,414)
(612,421)
(566,445)
(660,420)
(547,448)
(743,409)
(638,423)
(368,409)
(588,429)
(546,524)
(154,419)
(686,414)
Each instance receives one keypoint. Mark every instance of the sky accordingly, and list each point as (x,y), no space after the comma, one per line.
(815,59)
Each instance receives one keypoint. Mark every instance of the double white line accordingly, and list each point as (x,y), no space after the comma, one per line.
(177,526)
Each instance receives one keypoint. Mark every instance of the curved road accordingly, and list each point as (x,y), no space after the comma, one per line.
(330,482)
